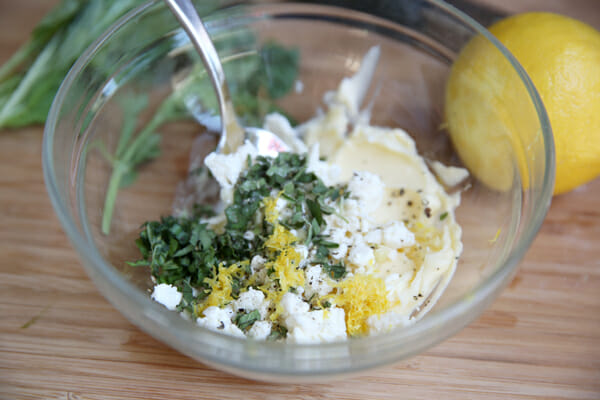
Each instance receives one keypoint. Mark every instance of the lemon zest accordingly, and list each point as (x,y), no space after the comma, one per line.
(496,236)
(221,284)
(361,296)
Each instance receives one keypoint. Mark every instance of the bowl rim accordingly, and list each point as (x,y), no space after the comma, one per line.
(99,269)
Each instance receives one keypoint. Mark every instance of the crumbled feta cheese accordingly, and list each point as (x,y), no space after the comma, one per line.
(368,189)
(316,326)
(226,168)
(260,330)
(303,251)
(361,254)
(219,319)
(338,235)
(257,263)
(252,300)
(281,206)
(396,235)
(374,236)
(249,235)
(167,295)
(293,304)
(316,282)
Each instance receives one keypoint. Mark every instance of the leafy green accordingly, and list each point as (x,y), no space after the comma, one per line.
(255,80)
(177,250)
(41,35)
(36,70)
(273,79)
(335,271)
(277,332)
(245,321)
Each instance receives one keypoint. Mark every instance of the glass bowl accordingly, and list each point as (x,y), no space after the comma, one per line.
(145,58)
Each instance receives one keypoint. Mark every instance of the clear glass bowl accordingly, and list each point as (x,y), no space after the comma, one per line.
(145,53)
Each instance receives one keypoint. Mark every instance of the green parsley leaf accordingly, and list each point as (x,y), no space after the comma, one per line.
(278,332)
(315,211)
(245,321)
(335,271)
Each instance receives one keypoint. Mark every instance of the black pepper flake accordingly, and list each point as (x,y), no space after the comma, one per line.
(222,326)
(420,295)
(415,297)
(409,203)
(398,193)
(428,212)
(389,203)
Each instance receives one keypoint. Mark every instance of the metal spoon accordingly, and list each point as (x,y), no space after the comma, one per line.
(232,133)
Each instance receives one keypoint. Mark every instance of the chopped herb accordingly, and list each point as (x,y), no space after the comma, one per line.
(178,250)
(278,332)
(203,211)
(188,302)
(184,252)
(443,216)
(245,321)
(315,211)
(335,271)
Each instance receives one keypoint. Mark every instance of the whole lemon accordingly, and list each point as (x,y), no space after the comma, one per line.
(491,119)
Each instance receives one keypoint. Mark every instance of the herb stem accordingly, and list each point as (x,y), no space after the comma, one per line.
(121,167)
(18,58)
(30,78)
(119,170)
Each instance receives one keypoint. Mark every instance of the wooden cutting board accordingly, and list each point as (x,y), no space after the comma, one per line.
(60,339)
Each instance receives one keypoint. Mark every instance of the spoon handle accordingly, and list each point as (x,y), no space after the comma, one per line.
(186,14)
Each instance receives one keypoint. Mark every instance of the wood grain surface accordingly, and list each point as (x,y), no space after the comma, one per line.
(60,339)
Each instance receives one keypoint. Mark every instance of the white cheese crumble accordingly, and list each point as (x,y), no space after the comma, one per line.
(260,330)
(226,168)
(316,282)
(361,254)
(167,295)
(252,300)
(219,319)
(368,189)
(317,326)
